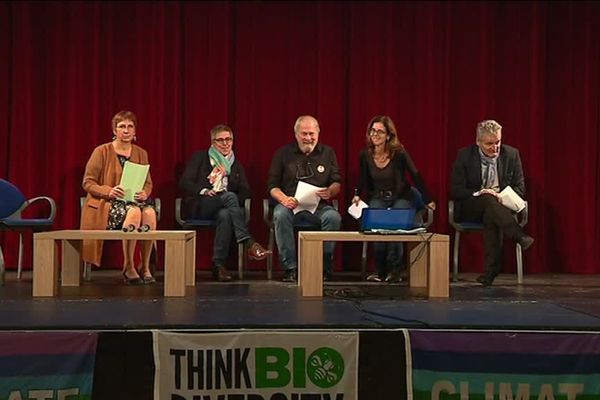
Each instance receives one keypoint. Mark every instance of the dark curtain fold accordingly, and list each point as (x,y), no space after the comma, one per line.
(435,67)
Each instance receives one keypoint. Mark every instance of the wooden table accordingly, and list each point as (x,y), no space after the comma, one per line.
(428,255)
(180,258)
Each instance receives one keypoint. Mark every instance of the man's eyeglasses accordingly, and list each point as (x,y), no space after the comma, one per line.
(374,132)
(122,127)
(307,172)
(222,141)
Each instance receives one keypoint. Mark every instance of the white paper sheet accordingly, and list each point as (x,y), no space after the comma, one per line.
(511,200)
(306,194)
(356,210)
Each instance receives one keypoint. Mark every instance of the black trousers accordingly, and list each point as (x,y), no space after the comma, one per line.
(497,220)
(231,221)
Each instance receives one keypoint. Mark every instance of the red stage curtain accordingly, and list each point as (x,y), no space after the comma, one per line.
(435,67)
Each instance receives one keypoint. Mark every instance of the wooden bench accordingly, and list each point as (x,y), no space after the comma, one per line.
(180,258)
(428,255)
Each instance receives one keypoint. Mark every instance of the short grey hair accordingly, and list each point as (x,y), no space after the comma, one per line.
(302,118)
(487,127)
(218,129)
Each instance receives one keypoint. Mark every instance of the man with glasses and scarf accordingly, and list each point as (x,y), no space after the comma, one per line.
(479,174)
(309,161)
(215,186)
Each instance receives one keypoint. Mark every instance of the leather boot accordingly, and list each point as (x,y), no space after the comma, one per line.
(220,274)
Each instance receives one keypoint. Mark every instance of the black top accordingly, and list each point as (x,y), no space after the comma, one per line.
(399,164)
(290,165)
(195,177)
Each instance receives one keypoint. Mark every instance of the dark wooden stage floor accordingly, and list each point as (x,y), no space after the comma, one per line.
(546,302)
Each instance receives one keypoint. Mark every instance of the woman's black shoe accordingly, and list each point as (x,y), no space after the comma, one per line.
(132,281)
(129,228)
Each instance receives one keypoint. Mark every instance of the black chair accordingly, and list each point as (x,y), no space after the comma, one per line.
(464,227)
(197,224)
(268,206)
(12,205)
(87,267)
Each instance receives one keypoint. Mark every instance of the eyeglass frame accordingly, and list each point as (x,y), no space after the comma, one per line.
(378,132)
(223,141)
(122,127)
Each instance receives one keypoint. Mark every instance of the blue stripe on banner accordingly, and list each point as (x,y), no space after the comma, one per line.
(507,363)
(425,381)
(55,364)
(508,342)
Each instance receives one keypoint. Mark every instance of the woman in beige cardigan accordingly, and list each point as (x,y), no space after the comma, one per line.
(104,207)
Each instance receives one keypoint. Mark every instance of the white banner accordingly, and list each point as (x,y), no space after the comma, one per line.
(256,366)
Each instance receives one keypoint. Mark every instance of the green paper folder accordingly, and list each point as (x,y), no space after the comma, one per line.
(133,179)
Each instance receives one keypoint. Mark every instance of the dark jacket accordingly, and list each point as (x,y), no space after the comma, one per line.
(466,172)
(195,177)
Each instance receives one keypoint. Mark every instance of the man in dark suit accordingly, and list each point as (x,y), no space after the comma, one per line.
(479,173)
(215,186)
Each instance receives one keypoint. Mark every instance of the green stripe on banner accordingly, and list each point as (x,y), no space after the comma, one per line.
(82,383)
(428,383)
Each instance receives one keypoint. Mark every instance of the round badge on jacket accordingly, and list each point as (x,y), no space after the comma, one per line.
(320,168)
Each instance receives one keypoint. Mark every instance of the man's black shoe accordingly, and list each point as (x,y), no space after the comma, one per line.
(485,280)
(526,241)
(289,275)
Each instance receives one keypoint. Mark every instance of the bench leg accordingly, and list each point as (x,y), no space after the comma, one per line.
(190,262)
(175,268)
(310,271)
(45,268)
(71,263)
(418,261)
(438,284)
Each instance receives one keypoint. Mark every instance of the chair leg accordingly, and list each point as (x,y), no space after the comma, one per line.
(270,256)
(153,258)
(1,267)
(363,261)
(20,264)
(519,264)
(87,271)
(241,252)
(455,256)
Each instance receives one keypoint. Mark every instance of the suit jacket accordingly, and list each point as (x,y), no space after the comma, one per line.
(103,172)
(195,178)
(466,172)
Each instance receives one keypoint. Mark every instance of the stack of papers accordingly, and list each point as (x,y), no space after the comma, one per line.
(133,179)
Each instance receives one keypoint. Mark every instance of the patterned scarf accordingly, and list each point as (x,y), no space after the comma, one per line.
(221,169)
(489,171)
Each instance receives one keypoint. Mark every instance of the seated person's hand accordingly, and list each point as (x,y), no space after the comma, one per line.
(356,200)
(289,202)
(325,194)
(117,192)
(140,196)
(431,205)
(489,191)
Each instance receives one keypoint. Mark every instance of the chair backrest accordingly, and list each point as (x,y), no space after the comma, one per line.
(11,199)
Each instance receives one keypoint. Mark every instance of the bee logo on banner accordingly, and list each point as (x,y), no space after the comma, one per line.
(256,365)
